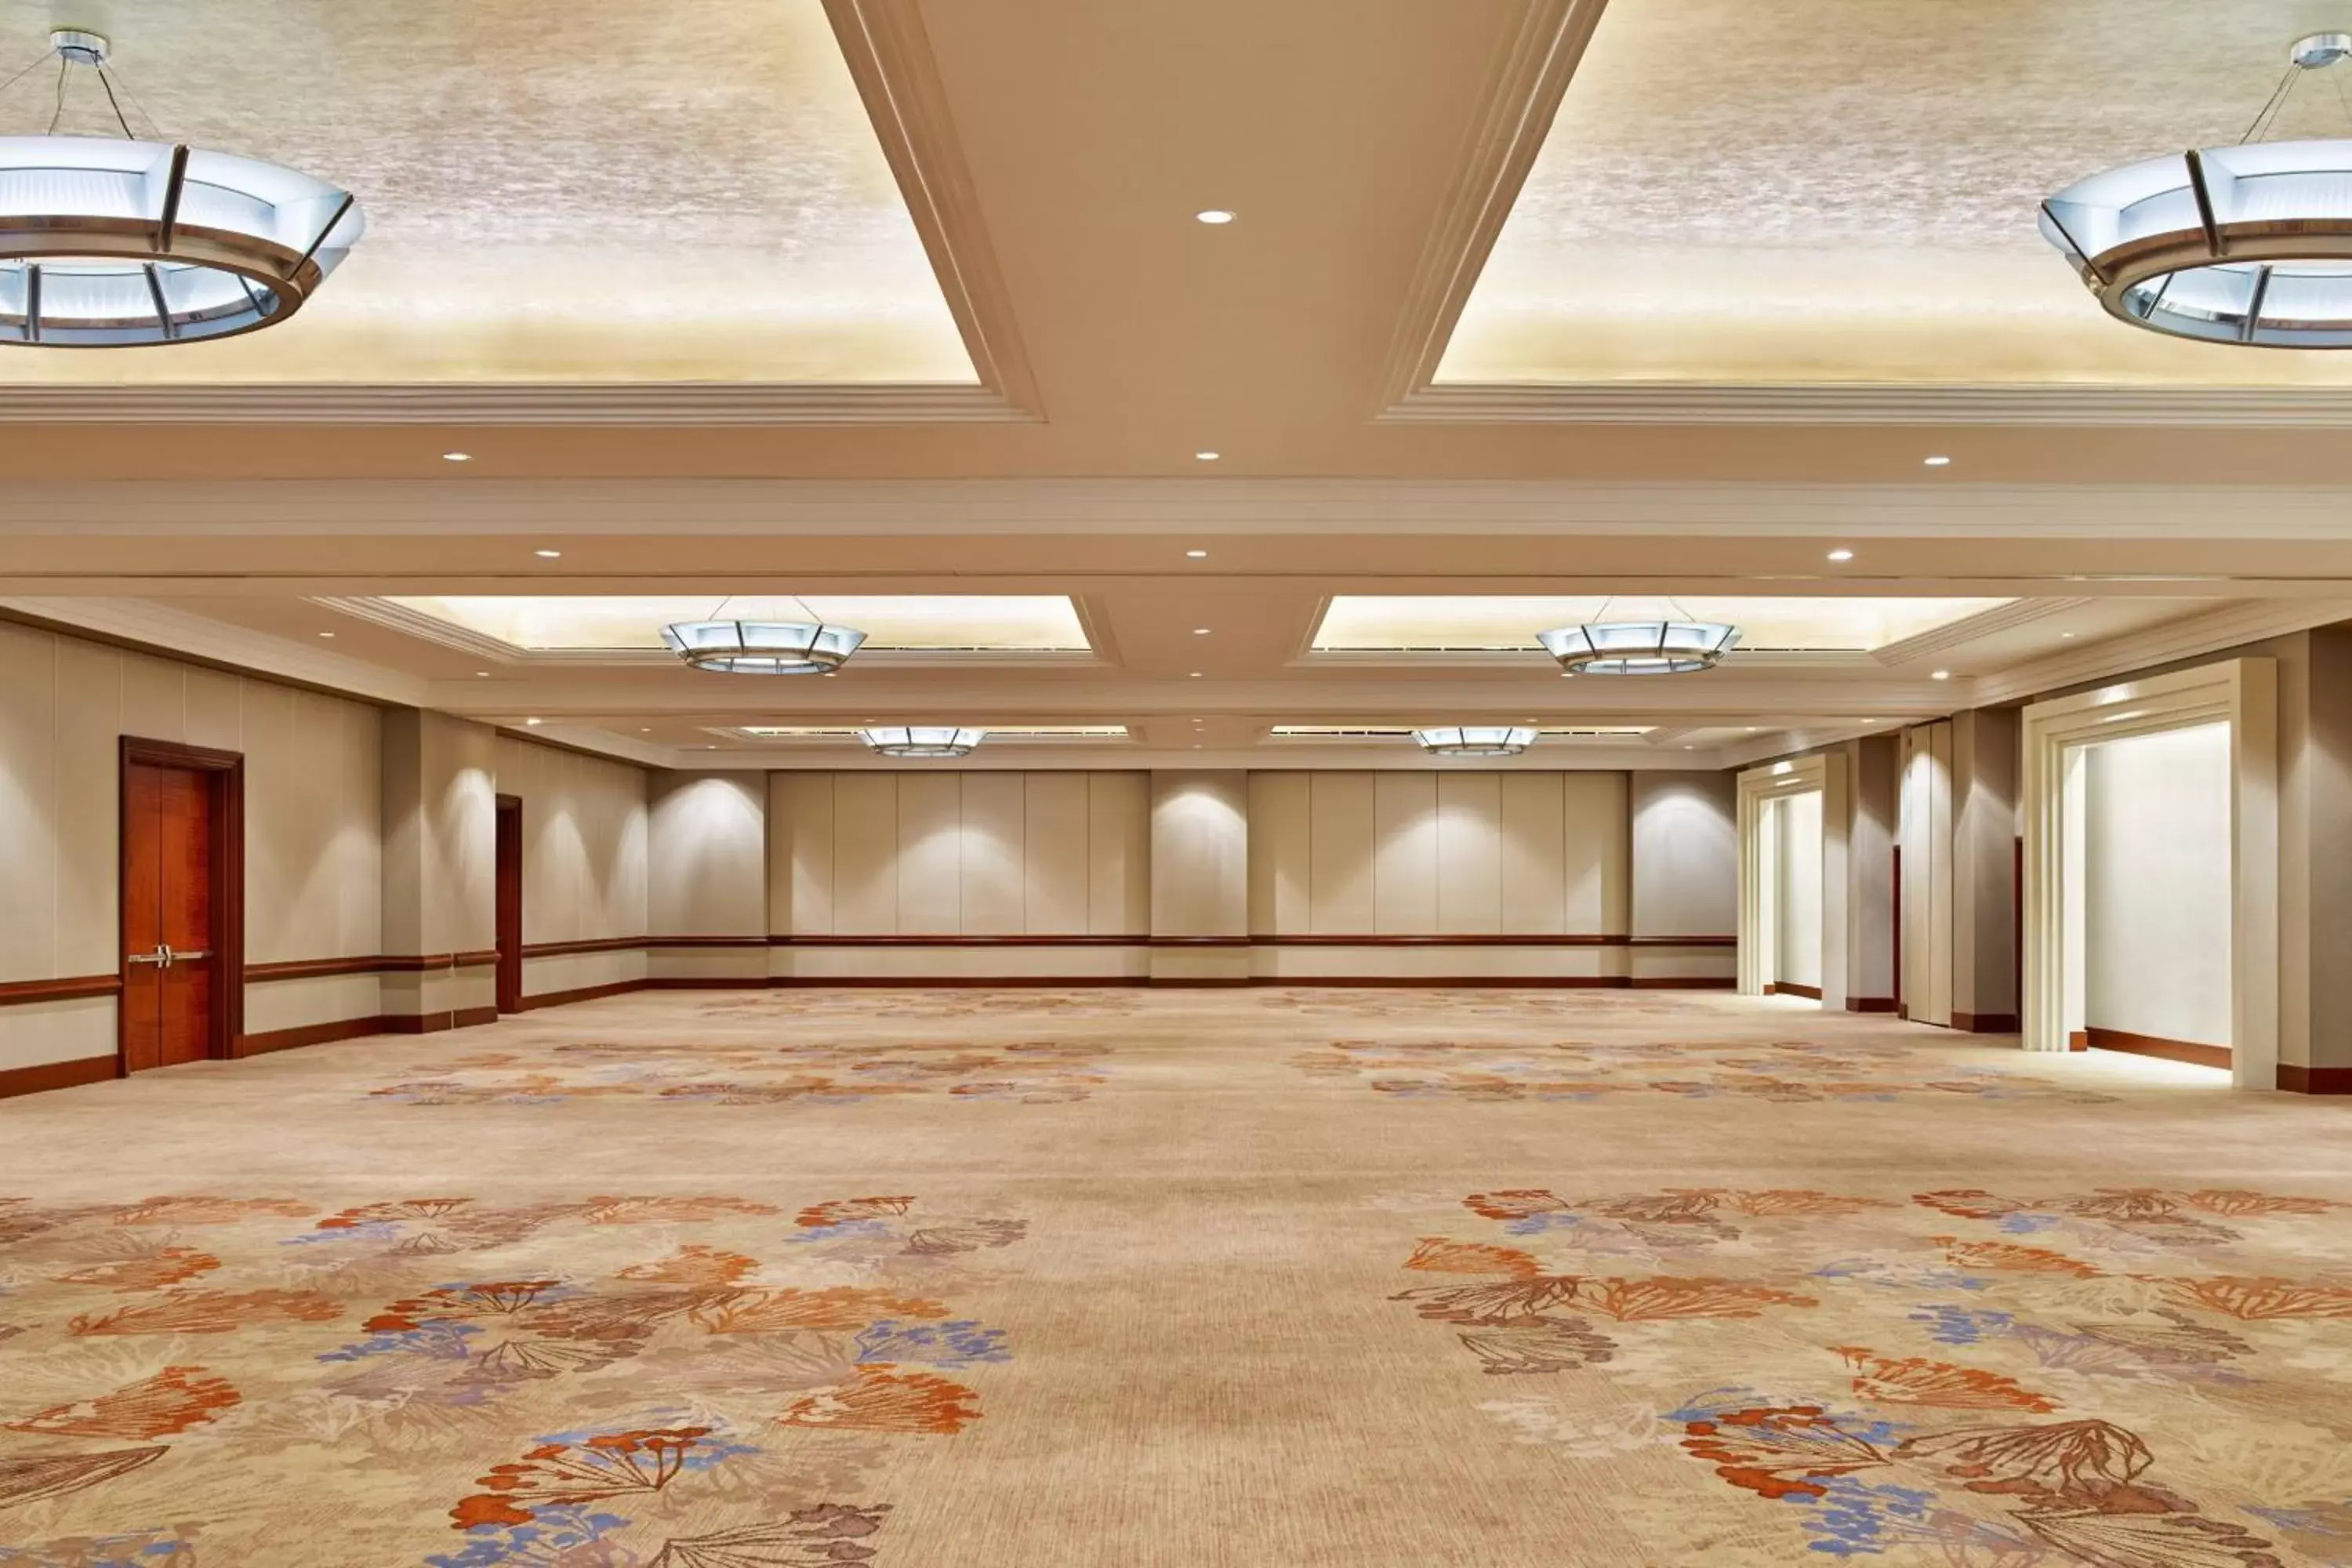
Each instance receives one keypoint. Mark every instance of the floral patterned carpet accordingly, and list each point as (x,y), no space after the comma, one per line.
(1059,1279)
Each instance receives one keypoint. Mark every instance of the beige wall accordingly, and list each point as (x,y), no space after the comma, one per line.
(1927,832)
(949,853)
(314,865)
(586,834)
(1435,853)
(1686,871)
(2155,896)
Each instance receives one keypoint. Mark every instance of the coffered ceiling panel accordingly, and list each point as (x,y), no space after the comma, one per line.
(1846,191)
(603,191)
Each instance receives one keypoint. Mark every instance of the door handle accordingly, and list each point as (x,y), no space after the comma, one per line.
(162,956)
(190,957)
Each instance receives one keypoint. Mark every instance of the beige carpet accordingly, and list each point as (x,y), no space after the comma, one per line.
(1265,1280)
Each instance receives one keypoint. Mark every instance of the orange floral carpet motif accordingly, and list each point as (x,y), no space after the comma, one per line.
(1041,1279)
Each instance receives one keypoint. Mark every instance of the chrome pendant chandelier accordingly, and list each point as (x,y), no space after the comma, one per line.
(762,648)
(1475,740)
(120,244)
(2248,244)
(921,741)
(1674,645)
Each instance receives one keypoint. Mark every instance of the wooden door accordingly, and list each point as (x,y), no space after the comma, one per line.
(172,955)
(509,903)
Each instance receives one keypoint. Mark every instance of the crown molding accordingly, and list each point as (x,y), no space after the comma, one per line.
(179,633)
(889,58)
(1865,403)
(634,404)
(1923,509)
(2232,625)
(1531,74)
(1961,633)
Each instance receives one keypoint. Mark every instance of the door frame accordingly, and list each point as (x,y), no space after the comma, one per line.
(1757,788)
(2242,693)
(225,798)
(508,839)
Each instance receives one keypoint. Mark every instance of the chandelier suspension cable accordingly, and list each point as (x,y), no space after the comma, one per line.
(2267,116)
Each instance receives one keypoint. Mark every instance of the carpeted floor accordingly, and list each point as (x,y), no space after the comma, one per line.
(1174,1280)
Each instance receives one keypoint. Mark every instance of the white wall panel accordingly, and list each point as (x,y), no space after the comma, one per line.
(866,853)
(801,852)
(707,855)
(1343,849)
(1404,869)
(992,841)
(1281,836)
(1532,840)
(1596,851)
(88,817)
(1469,845)
(1118,854)
(931,855)
(1056,852)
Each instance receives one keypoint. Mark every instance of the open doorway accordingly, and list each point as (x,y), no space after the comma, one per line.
(509,913)
(1793,825)
(2148,883)
(1793,878)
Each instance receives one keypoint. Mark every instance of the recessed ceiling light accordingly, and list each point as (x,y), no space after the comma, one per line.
(1213,215)
(1208,456)
(549,555)
(1841,554)
(1938,461)
(481,674)
(1751,728)
(2065,634)
(1197,554)
(326,634)
(1939,675)
(1199,631)
(1196,675)
(647,730)
(530,721)
(457,457)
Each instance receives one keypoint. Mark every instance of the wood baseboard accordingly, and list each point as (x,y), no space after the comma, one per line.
(1987,1024)
(1792,988)
(560,998)
(268,1040)
(2293,1078)
(1683,983)
(1870,1004)
(15,1081)
(2203,1056)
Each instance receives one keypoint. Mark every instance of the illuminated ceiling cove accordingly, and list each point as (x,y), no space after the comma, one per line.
(610,192)
(1847,191)
(1036,622)
(1356,623)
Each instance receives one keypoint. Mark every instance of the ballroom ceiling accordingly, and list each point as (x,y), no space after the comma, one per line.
(883,301)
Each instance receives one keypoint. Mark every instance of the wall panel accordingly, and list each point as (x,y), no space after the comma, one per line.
(1118,854)
(801,852)
(1533,889)
(1468,833)
(1405,872)
(1342,853)
(1056,852)
(866,853)
(992,840)
(1281,828)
